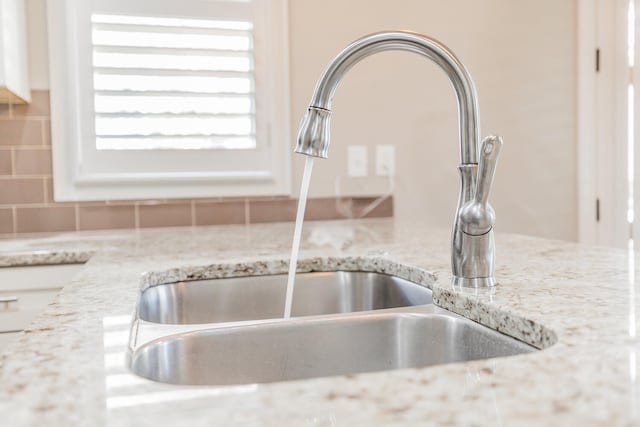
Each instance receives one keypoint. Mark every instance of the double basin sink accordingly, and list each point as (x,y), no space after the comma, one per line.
(230,331)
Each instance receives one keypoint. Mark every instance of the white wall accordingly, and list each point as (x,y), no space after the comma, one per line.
(522,57)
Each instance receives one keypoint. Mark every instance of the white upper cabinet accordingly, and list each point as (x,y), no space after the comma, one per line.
(14,75)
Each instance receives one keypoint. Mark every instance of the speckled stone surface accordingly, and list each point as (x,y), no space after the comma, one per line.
(580,304)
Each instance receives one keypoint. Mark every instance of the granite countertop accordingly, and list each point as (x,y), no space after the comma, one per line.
(577,303)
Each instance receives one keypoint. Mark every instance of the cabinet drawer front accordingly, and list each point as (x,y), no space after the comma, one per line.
(15,316)
(37,277)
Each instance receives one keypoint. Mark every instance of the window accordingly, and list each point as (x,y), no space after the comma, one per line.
(164,99)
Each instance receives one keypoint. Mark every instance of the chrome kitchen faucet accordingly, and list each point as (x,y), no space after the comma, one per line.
(472,246)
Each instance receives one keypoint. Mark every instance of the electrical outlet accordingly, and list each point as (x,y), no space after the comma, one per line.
(357,161)
(385,160)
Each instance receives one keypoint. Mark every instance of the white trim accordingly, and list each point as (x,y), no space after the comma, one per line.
(14,70)
(136,176)
(174,177)
(636,123)
(586,132)
(621,78)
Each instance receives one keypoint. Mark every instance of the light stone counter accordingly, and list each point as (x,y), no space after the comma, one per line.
(580,304)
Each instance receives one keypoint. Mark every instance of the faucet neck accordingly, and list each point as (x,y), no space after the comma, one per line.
(425,46)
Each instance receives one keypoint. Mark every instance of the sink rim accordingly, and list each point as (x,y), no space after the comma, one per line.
(260,267)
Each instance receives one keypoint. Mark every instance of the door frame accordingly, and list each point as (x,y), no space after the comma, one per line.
(603,78)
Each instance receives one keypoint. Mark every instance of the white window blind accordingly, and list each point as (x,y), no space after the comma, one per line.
(172,99)
(172,83)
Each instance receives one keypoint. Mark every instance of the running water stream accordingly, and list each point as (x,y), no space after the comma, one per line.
(293,263)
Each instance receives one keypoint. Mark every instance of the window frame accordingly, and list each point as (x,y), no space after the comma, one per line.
(238,172)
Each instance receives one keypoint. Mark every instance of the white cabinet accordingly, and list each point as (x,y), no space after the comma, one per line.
(14,74)
(32,288)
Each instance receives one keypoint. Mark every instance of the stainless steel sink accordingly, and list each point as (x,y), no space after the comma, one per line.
(231,331)
(321,346)
(262,297)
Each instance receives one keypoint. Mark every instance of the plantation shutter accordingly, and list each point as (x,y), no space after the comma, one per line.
(170,83)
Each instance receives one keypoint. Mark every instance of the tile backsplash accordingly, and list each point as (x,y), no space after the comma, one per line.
(26,191)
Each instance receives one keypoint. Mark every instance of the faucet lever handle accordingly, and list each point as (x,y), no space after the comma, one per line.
(476,217)
(489,152)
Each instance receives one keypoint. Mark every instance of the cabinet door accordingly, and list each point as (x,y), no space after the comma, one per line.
(16,315)
(36,277)
(28,290)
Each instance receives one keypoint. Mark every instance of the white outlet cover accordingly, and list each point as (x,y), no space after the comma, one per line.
(357,163)
(385,160)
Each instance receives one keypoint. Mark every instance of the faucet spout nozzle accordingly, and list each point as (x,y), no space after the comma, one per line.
(313,135)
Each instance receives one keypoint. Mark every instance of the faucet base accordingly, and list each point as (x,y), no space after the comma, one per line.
(475,282)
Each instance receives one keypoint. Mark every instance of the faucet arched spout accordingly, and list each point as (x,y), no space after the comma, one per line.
(313,136)
(472,243)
